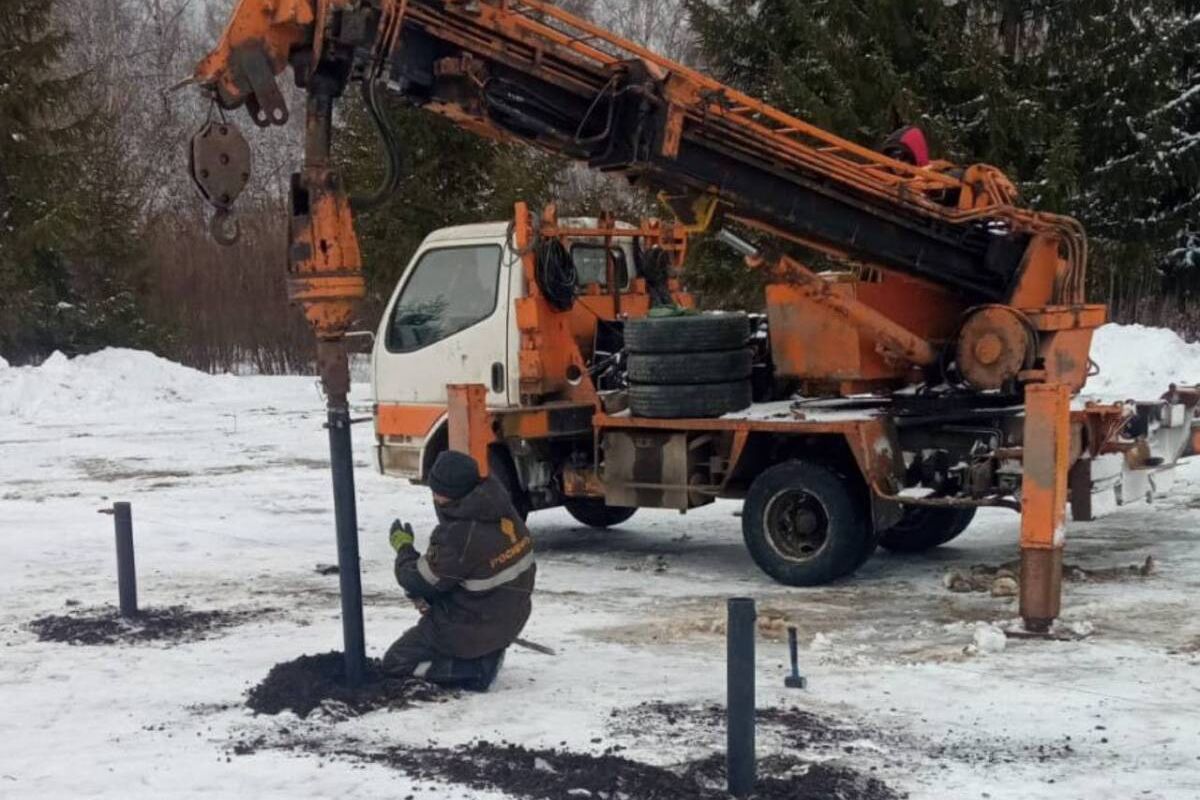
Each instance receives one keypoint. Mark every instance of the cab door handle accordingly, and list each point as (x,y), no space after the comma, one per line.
(498,377)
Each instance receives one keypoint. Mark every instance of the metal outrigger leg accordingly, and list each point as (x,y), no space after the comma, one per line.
(1047,454)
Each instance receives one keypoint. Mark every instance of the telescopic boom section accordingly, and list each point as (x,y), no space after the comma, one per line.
(529,71)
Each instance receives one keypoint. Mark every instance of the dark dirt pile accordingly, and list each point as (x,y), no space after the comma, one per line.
(561,775)
(305,684)
(105,626)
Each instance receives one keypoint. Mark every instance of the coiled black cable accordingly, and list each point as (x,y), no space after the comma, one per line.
(656,269)
(556,275)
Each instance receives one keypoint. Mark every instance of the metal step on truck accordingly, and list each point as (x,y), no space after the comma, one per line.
(533,345)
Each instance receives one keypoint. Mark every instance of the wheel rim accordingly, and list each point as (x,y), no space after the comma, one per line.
(796,524)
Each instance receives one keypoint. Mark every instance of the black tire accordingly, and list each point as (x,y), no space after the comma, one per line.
(501,468)
(691,368)
(595,514)
(699,333)
(701,401)
(806,525)
(925,527)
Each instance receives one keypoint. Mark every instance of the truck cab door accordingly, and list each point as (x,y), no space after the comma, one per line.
(448,322)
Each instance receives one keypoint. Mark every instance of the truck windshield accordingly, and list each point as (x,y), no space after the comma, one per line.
(448,291)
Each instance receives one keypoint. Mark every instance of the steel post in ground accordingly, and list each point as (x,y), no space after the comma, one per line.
(795,680)
(740,763)
(126,569)
(345,508)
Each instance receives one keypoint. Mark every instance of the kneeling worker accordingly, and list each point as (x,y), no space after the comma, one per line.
(473,586)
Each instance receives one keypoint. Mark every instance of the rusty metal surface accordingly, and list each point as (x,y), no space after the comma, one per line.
(470,424)
(581,482)
(333,366)
(272,29)
(1041,588)
(892,338)
(545,421)
(1047,461)
(995,344)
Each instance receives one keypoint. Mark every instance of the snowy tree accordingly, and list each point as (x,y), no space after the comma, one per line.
(37,125)
(73,190)
(1092,106)
(40,136)
(1134,93)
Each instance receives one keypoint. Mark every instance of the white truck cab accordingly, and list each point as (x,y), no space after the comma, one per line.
(452,320)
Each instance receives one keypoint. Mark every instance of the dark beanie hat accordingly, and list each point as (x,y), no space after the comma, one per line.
(454,475)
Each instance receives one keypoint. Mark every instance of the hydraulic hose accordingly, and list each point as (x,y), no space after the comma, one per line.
(394,162)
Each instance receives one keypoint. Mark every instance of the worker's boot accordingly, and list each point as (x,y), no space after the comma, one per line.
(472,674)
(489,669)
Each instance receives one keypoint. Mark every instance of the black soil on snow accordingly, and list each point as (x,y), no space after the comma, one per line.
(551,774)
(106,626)
(557,774)
(309,682)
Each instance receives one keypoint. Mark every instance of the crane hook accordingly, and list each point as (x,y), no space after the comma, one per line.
(219,162)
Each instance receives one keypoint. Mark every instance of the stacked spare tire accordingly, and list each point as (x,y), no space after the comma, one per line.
(689,366)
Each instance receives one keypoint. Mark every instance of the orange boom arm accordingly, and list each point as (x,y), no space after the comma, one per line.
(529,71)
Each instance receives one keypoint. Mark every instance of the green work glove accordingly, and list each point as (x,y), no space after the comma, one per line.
(401,536)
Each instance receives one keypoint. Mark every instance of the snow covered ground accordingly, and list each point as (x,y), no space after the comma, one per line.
(230,491)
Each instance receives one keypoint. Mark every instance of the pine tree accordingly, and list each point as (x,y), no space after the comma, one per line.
(34,99)
(69,208)
(1134,92)
(35,204)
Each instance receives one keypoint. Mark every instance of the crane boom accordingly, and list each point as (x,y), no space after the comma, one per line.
(527,70)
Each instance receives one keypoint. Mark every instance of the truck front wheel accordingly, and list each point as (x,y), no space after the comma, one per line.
(595,514)
(804,525)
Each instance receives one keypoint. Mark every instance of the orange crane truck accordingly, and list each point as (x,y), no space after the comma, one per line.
(938,351)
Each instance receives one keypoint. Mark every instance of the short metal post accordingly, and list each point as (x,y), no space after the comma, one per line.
(126,571)
(741,764)
(795,680)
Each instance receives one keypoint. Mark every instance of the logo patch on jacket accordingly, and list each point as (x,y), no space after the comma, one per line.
(521,544)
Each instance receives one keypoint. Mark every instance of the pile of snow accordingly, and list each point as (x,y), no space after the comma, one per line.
(1140,363)
(110,379)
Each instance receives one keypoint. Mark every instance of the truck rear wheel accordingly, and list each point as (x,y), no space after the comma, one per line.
(501,468)
(926,527)
(805,525)
(595,514)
